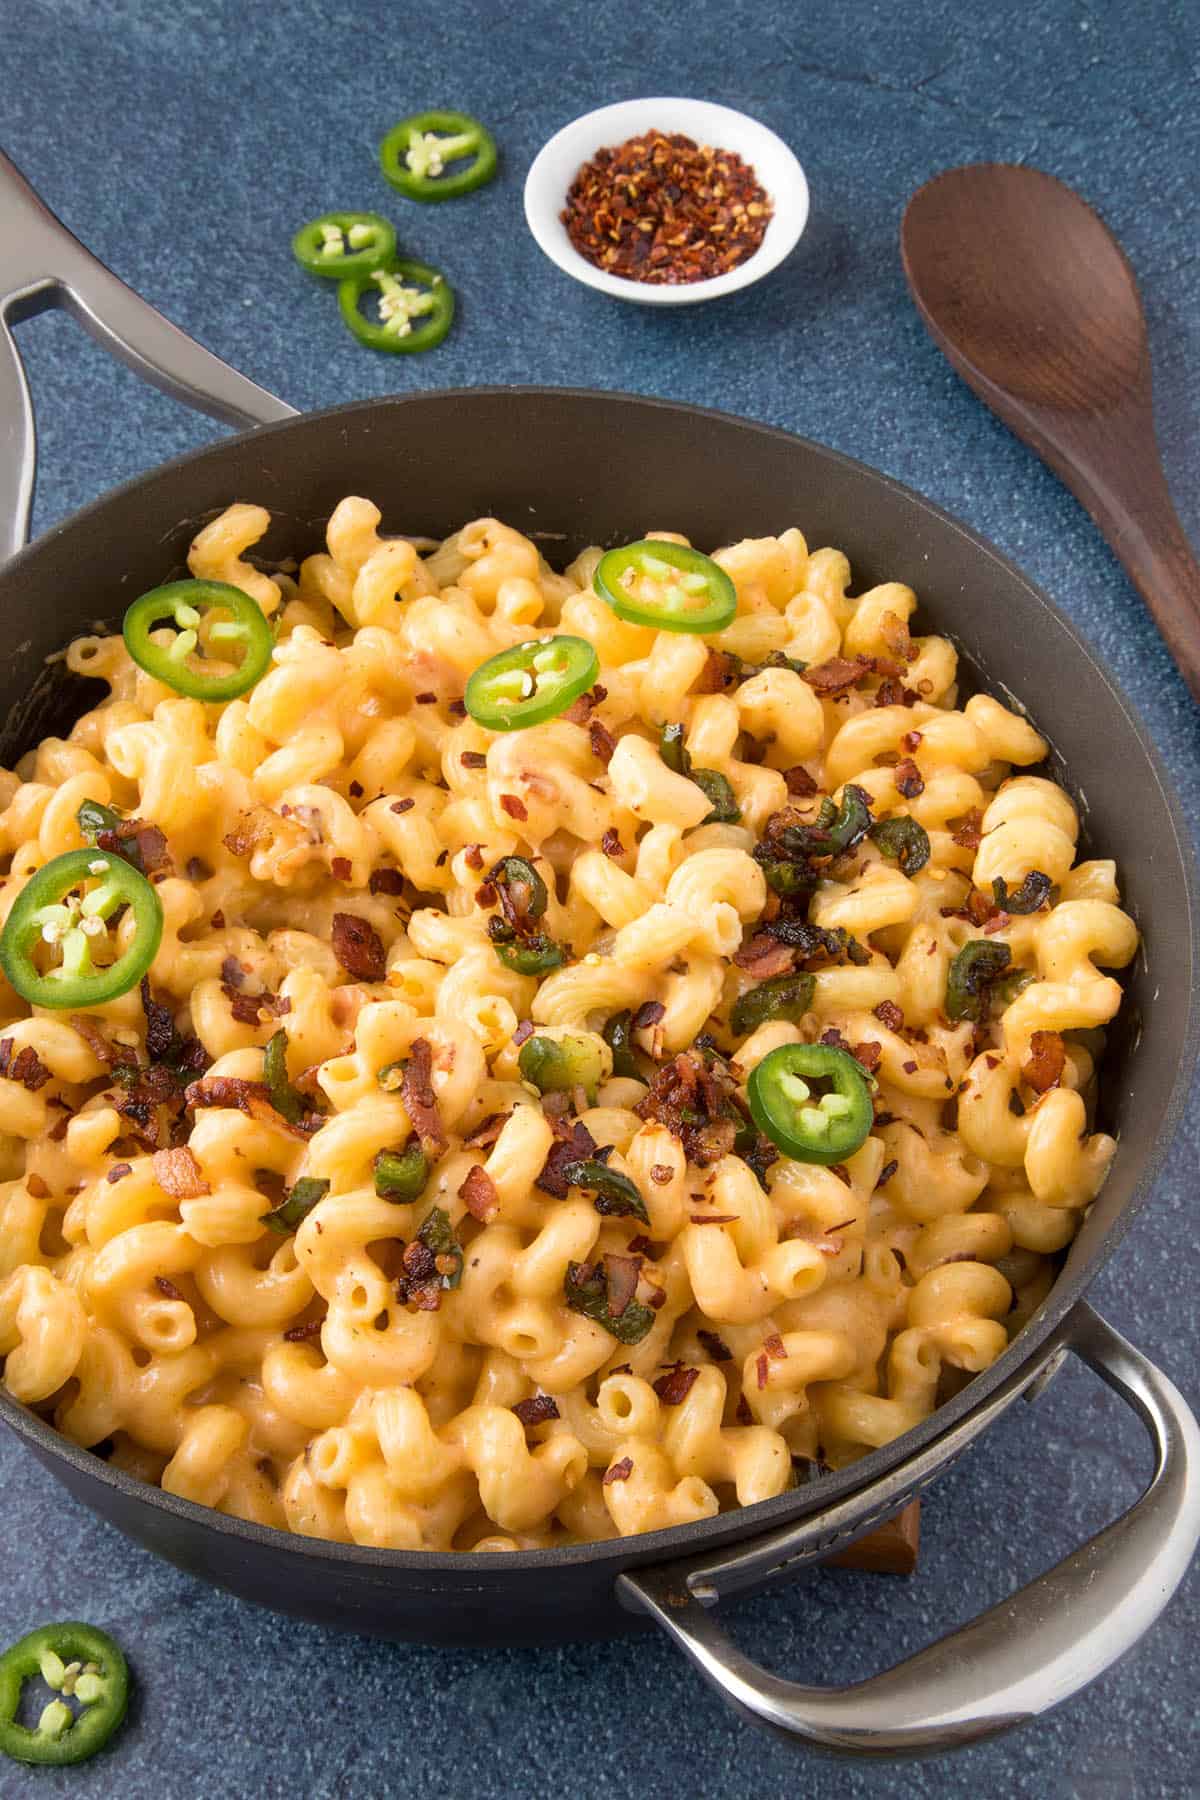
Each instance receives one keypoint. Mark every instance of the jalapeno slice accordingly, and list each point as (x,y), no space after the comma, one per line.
(812,1101)
(414,155)
(74,1659)
(531,682)
(669,587)
(559,1065)
(291,1212)
(401,303)
(344,243)
(969,978)
(181,664)
(400,1175)
(65,908)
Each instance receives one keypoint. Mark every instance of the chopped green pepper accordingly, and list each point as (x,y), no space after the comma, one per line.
(586,1291)
(970,976)
(617,1196)
(531,682)
(666,586)
(1032,894)
(288,1103)
(536,955)
(401,1175)
(673,750)
(812,1101)
(628,1060)
(559,1065)
(65,906)
(414,154)
(180,664)
(292,1211)
(345,243)
(714,786)
(437,1234)
(400,302)
(783,997)
(72,1658)
(904,840)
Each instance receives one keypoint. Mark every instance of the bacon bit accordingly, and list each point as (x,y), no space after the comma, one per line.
(232,973)
(999,922)
(619,1471)
(674,1387)
(425,699)
(250,1097)
(774,1346)
(683,1088)
(887,1171)
(538,1410)
(868,1055)
(25,1067)
(418,1285)
(37,1187)
(642,1245)
(717,1348)
(101,1047)
(167,1287)
(910,1068)
(358,947)
(720,671)
(385,881)
(799,783)
(895,634)
(993,1062)
(402,806)
(485,1135)
(839,674)
(714,1218)
(516,809)
(340,867)
(621,1274)
(356,790)
(661,1173)
(179,1174)
(196,869)
(150,846)
(473,759)
(1043,1067)
(298,1334)
(611,844)
(969,834)
(244,1007)
(218,920)
(834,1039)
(249,832)
(420,1103)
(743,1415)
(457,709)
(478,1194)
(649,1013)
(762,1366)
(473,856)
(118,1172)
(842,1173)
(765,956)
(523,1032)
(161,1037)
(602,741)
(911,741)
(889,1014)
(58,1130)
(575,1143)
(908,778)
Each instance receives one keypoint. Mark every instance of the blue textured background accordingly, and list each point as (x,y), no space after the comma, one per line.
(184,143)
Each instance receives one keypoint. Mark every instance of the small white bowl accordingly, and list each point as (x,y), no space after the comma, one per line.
(556,164)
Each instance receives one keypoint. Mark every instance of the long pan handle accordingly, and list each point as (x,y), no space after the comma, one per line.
(42,265)
(1011,1664)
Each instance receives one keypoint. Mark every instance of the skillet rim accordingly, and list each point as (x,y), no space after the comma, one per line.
(809,1500)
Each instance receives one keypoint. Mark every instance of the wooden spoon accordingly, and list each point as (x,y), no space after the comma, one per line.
(1034,303)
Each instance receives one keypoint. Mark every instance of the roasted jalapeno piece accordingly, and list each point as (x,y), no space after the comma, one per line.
(812,1101)
(904,841)
(416,307)
(537,955)
(628,1060)
(783,997)
(73,1659)
(437,1234)
(1032,894)
(603,1292)
(286,1100)
(415,153)
(240,636)
(668,587)
(558,1065)
(968,982)
(291,1212)
(401,1175)
(56,948)
(344,243)
(716,789)
(616,1195)
(531,682)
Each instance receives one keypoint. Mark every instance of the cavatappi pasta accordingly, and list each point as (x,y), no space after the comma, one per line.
(364,1379)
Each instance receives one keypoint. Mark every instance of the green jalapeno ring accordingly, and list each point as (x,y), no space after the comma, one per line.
(969,979)
(180,603)
(808,1126)
(537,955)
(531,682)
(414,153)
(59,1741)
(43,913)
(320,247)
(400,1175)
(400,304)
(786,997)
(560,1065)
(688,590)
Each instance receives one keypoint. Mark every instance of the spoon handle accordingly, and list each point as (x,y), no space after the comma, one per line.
(1112,464)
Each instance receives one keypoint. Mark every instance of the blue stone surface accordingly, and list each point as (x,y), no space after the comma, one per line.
(185,143)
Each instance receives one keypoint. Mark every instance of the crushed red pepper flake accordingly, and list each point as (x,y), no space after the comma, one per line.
(620,1471)
(660,208)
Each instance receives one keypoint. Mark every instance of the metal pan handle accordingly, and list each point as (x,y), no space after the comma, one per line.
(42,264)
(1013,1663)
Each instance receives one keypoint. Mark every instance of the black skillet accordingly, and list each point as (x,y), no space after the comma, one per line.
(579,468)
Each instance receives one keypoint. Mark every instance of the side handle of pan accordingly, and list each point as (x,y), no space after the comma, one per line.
(1006,1667)
(42,264)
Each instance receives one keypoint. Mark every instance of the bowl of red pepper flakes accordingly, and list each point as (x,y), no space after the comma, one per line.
(666,201)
